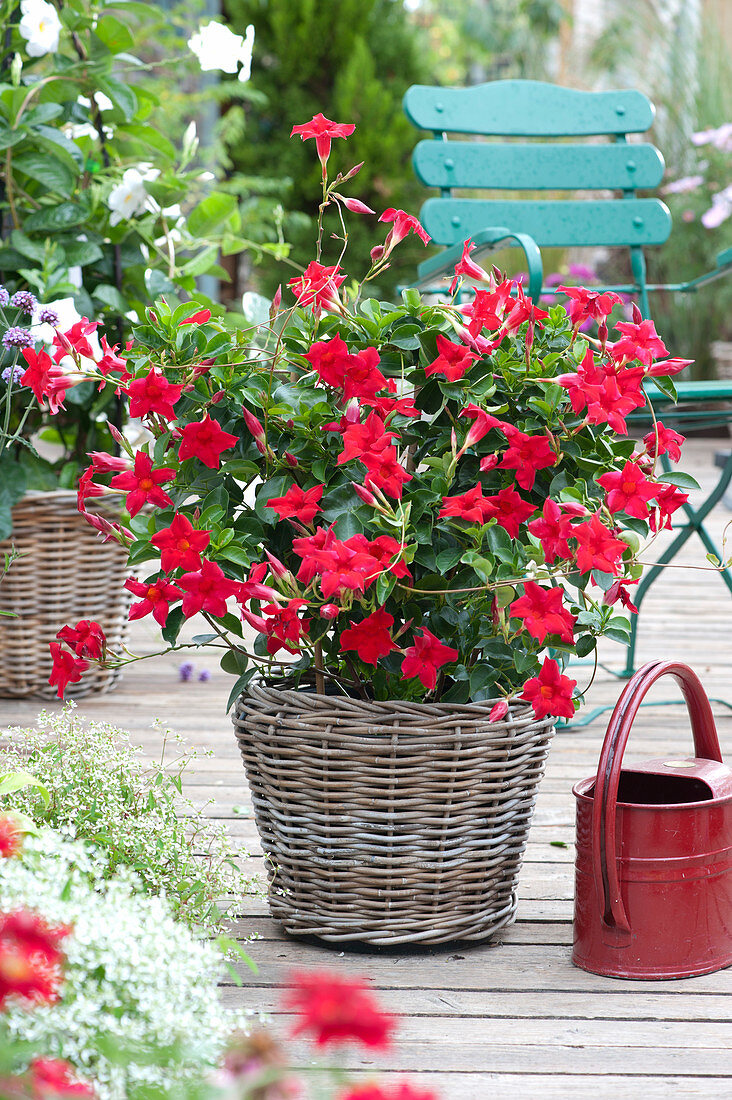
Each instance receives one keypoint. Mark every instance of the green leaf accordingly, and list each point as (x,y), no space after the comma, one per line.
(51,219)
(82,253)
(235,661)
(585,645)
(121,95)
(210,213)
(148,135)
(666,386)
(679,478)
(115,34)
(239,686)
(19,781)
(51,173)
(174,622)
(203,639)
(108,295)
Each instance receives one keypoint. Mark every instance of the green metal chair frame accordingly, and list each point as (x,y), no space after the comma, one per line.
(512,109)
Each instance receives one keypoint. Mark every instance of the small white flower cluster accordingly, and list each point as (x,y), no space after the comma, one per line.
(136,980)
(101,790)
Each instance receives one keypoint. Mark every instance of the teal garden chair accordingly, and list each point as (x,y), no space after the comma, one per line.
(552,160)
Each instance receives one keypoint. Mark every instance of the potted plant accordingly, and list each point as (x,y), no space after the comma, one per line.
(399,522)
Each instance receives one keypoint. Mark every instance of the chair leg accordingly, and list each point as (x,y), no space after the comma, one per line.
(695,523)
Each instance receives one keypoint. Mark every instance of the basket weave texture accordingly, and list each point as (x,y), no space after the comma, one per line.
(390,822)
(65,573)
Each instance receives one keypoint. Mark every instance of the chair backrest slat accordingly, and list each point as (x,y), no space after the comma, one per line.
(552,223)
(527,108)
(537,167)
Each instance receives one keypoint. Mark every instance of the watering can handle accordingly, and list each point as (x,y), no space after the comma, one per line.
(706,746)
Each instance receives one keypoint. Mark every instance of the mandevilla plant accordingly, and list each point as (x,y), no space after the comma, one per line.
(411,501)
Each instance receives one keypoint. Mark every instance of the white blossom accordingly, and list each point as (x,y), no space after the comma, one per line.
(130,196)
(40,26)
(217,47)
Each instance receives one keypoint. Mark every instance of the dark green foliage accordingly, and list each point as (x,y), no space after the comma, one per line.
(352,60)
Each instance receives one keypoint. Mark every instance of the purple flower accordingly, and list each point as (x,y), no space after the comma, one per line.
(24,301)
(204,675)
(15,371)
(17,337)
(48,317)
(4,297)
(185,671)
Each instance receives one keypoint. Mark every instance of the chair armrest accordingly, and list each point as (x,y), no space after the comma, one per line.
(487,240)
(724,266)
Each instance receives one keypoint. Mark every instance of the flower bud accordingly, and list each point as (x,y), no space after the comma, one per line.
(488,463)
(364,494)
(329,611)
(376,253)
(290,459)
(253,424)
(353,171)
(218,397)
(279,570)
(275,304)
(355,205)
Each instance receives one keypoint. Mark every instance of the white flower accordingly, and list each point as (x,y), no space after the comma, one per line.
(130,197)
(217,47)
(40,26)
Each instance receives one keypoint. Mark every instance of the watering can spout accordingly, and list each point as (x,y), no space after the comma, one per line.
(653,894)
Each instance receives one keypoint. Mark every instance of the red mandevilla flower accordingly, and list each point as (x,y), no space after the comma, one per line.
(664,441)
(87,639)
(597,548)
(45,378)
(67,668)
(180,545)
(30,957)
(335,1010)
(206,441)
(542,612)
(11,836)
(301,503)
(323,130)
(453,360)
(206,589)
(156,598)
(550,693)
(153,394)
(425,656)
(75,340)
(142,484)
(403,224)
(628,490)
(55,1079)
(317,287)
(370,638)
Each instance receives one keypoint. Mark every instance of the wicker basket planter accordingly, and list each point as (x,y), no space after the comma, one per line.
(394,822)
(65,573)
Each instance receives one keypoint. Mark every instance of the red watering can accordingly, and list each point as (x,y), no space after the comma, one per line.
(653,896)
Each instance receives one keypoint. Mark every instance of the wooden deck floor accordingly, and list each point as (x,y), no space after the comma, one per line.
(513,1017)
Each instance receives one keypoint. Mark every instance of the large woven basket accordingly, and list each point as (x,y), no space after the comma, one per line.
(65,573)
(391,822)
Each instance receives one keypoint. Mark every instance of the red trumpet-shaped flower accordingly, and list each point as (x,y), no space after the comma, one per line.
(425,656)
(664,441)
(403,224)
(542,612)
(323,130)
(205,440)
(30,957)
(597,548)
(156,598)
(180,545)
(589,305)
(453,360)
(67,668)
(87,639)
(142,484)
(153,394)
(640,341)
(297,502)
(206,589)
(550,693)
(333,1010)
(628,490)
(371,638)
(317,287)
(553,529)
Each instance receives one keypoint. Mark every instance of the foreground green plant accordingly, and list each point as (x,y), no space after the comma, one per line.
(99,790)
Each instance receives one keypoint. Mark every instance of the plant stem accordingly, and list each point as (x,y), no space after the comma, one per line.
(319,680)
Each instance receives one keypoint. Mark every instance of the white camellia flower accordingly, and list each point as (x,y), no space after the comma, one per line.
(129,197)
(40,26)
(217,47)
